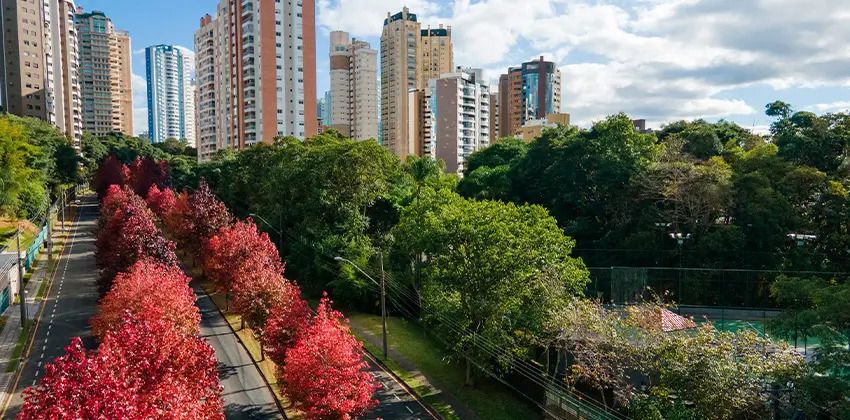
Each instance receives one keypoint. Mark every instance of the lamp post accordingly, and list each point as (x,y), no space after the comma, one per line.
(279,233)
(21,294)
(382,285)
(680,240)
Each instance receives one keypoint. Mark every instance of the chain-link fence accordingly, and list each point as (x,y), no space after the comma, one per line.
(735,288)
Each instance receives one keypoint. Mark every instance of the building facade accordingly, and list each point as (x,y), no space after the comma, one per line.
(436,54)
(453,117)
(264,66)
(354,87)
(528,92)
(206,117)
(400,72)
(105,75)
(170,94)
(39,74)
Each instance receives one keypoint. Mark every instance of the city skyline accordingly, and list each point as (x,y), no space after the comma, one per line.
(598,47)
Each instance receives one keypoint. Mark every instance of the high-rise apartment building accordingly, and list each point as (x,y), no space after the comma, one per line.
(454,117)
(354,87)
(526,93)
(105,75)
(39,69)
(400,72)
(436,55)
(171,97)
(206,117)
(264,67)
(410,57)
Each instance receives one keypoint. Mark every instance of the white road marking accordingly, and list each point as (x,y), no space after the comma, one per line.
(408,409)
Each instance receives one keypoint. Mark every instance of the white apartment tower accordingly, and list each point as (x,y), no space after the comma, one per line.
(455,117)
(170,97)
(354,87)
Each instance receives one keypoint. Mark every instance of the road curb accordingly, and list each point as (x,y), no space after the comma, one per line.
(404,384)
(239,339)
(25,353)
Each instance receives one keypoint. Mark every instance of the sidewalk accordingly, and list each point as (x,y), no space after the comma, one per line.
(460,409)
(12,330)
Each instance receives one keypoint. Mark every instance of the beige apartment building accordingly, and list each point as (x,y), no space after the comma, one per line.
(436,56)
(399,74)
(410,58)
(105,75)
(39,63)
(354,87)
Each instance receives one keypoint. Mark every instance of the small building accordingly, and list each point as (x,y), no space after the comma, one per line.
(9,279)
(534,128)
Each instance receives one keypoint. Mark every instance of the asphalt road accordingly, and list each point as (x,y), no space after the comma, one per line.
(72,301)
(395,402)
(69,305)
(246,395)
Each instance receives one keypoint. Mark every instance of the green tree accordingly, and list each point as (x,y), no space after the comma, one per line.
(492,271)
(22,184)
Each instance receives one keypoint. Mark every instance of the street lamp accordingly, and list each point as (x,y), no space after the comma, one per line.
(680,240)
(279,233)
(382,285)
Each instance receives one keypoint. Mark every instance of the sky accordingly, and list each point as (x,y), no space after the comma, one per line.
(661,60)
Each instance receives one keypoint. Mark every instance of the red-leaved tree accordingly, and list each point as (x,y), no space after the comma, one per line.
(174,373)
(111,172)
(145,172)
(208,215)
(286,322)
(229,250)
(81,386)
(116,197)
(160,201)
(128,236)
(324,373)
(178,220)
(149,290)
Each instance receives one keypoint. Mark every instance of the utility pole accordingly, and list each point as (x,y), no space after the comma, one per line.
(21,295)
(383,304)
(62,213)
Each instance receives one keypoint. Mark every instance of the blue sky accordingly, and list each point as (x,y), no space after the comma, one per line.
(661,60)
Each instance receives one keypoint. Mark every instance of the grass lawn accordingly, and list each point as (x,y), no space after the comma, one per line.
(7,235)
(488,399)
(16,352)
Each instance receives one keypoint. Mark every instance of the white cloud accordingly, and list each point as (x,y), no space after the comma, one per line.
(140,104)
(837,106)
(656,59)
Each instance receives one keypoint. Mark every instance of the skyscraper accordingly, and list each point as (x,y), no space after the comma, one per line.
(400,72)
(207,117)
(170,94)
(354,88)
(436,56)
(39,70)
(105,75)
(528,92)
(264,67)
(454,117)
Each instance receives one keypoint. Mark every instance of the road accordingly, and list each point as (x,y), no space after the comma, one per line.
(246,395)
(69,305)
(396,403)
(72,301)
